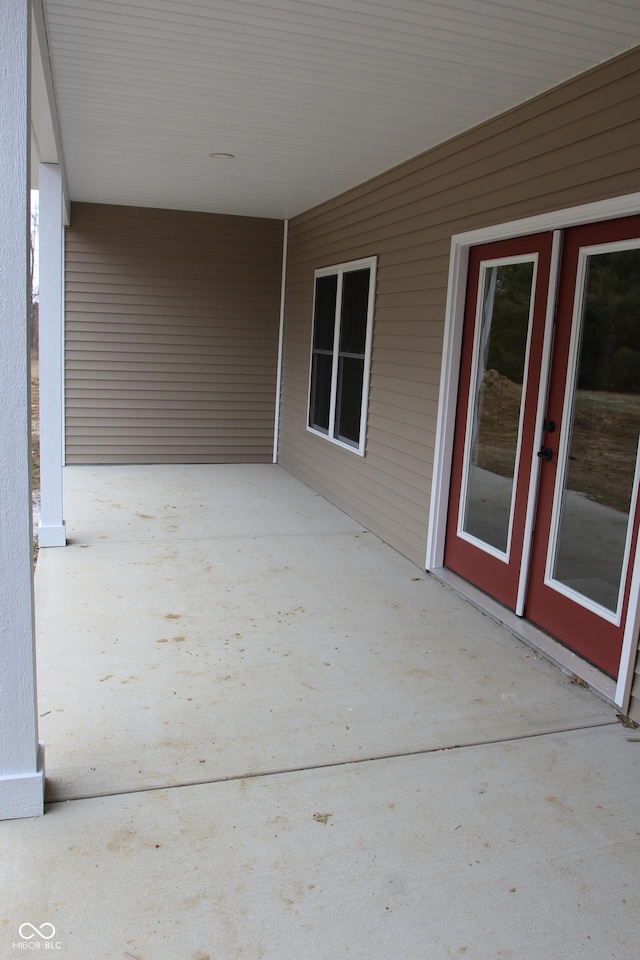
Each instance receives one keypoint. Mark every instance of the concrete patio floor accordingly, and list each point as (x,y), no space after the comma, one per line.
(268,735)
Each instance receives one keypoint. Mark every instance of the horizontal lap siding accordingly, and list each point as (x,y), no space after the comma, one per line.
(634,710)
(171,336)
(576,144)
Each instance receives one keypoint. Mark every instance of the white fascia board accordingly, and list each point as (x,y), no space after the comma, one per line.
(44,111)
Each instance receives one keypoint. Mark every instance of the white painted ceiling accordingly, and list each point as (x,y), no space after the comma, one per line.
(311,96)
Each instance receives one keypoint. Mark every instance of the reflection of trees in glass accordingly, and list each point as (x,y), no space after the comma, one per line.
(610,353)
(500,389)
(509,323)
(606,416)
(503,344)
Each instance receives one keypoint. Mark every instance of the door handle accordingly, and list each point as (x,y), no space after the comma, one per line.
(546,453)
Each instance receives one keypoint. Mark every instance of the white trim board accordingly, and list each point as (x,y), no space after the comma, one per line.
(44,106)
(543,389)
(22,795)
(283,290)
(20,756)
(627,206)
(611,209)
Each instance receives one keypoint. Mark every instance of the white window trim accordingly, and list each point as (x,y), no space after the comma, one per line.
(447,399)
(340,269)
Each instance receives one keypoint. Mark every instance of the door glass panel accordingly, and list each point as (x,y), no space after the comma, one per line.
(599,476)
(501,348)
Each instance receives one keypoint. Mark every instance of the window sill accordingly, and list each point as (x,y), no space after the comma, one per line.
(359,451)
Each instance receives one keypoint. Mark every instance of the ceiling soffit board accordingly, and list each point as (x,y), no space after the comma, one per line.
(312,98)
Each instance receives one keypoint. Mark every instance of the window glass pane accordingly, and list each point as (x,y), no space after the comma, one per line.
(320,391)
(604,432)
(355,298)
(325,312)
(349,404)
(497,401)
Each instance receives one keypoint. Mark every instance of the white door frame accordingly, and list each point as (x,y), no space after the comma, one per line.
(454,322)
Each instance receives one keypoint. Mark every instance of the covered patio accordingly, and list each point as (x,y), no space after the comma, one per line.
(269,735)
(199,164)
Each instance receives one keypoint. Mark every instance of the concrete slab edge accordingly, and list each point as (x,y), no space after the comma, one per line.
(340,764)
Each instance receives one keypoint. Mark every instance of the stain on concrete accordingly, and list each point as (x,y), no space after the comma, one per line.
(122,840)
(563,808)
(322,817)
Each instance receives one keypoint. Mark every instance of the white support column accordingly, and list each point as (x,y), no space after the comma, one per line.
(51,530)
(21,759)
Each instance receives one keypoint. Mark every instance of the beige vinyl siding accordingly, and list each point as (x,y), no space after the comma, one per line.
(171,336)
(576,144)
(634,709)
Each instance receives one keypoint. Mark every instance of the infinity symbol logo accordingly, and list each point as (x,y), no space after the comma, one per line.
(40,932)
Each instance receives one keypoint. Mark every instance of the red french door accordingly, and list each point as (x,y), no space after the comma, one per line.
(587,517)
(500,366)
(543,510)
